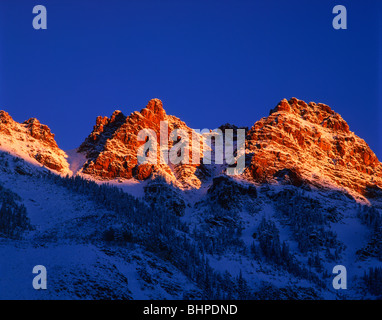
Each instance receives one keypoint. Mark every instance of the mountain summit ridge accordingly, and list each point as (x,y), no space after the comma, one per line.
(297,143)
(192,231)
(111,148)
(310,143)
(33,142)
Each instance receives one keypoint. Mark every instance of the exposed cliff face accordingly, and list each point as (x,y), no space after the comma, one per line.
(32,141)
(310,143)
(297,143)
(112,147)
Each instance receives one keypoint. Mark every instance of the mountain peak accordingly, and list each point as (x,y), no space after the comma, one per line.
(317,113)
(314,143)
(5,117)
(155,105)
(117,115)
(31,141)
(111,149)
(154,109)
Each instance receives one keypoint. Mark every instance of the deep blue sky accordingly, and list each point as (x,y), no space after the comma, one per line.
(210,62)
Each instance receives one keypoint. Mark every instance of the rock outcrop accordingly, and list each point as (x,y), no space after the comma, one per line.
(298,143)
(310,143)
(32,141)
(112,148)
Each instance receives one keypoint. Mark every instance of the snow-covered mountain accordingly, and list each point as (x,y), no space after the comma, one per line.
(33,142)
(311,143)
(111,149)
(308,200)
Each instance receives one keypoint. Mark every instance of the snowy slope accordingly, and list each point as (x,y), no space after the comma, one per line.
(76,268)
(67,240)
(275,232)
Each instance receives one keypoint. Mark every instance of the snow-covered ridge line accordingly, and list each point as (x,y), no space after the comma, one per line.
(33,142)
(297,144)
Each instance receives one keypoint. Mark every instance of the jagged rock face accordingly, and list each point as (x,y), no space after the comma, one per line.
(32,139)
(40,131)
(233,127)
(112,148)
(298,143)
(310,143)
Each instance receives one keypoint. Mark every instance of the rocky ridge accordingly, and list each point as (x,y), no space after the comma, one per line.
(111,149)
(298,143)
(310,143)
(32,141)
